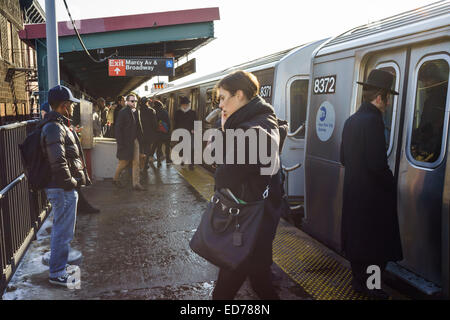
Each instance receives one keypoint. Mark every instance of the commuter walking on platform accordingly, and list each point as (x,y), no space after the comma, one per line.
(242,108)
(103,113)
(184,119)
(65,155)
(163,132)
(109,132)
(149,125)
(128,132)
(96,122)
(120,103)
(370,229)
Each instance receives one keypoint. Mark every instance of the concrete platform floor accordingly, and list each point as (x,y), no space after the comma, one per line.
(136,248)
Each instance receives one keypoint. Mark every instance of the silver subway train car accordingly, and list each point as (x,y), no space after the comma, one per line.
(414,46)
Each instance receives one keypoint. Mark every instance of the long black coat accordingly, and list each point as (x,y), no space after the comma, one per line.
(185,120)
(245,180)
(370,231)
(126,131)
(149,124)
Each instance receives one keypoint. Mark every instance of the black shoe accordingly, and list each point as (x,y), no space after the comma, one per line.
(168,161)
(158,164)
(139,188)
(117,184)
(358,286)
(66,280)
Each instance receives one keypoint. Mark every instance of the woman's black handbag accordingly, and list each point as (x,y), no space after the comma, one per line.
(228,231)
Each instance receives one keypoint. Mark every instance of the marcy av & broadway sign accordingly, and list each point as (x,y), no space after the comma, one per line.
(140,67)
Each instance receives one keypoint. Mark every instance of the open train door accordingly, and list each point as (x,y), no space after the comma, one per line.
(416,130)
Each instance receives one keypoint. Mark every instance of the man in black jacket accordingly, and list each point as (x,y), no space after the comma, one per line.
(149,127)
(128,133)
(65,155)
(370,230)
(163,131)
(184,119)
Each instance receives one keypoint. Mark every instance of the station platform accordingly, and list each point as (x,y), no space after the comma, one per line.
(137,247)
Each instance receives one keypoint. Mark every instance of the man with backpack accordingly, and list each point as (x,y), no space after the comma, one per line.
(62,148)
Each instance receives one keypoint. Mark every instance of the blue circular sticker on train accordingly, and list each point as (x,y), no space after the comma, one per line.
(325,121)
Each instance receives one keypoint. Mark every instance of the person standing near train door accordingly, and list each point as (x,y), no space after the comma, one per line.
(184,119)
(370,229)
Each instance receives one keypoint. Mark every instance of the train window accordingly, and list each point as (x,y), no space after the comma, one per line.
(391,111)
(426,141)
(194,101)
(2,109)
(298,104)
(211,102)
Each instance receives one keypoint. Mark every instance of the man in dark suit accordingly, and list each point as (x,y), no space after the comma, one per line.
(128,133)
(370,231)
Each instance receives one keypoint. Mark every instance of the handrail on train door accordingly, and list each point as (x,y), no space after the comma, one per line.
(287,170)
(293,134)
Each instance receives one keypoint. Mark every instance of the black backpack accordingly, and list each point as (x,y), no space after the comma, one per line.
(35,163)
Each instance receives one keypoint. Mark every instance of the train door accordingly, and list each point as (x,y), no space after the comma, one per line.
(171,107)
(423,160)
(194,97)
(297,101)
(395,63)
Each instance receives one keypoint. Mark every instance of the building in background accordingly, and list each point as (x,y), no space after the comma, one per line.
(18,73)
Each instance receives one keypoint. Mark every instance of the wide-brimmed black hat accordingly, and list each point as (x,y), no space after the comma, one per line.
(184,100)
(380,79)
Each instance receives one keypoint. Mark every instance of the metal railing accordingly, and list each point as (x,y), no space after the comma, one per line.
(22,212)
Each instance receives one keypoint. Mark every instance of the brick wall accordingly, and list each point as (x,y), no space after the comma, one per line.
(10,10)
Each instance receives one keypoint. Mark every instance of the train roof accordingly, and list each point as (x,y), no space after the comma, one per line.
(253,65)
(425,18)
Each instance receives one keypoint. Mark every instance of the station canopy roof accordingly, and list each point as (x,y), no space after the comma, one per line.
(164,34)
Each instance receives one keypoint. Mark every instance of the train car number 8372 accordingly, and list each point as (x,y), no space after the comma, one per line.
(325,85)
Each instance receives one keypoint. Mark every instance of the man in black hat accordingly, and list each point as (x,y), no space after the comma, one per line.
(370,232)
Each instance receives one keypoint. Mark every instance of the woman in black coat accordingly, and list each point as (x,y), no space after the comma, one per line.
(243,109)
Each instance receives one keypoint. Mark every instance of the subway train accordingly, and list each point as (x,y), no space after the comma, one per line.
(314,88)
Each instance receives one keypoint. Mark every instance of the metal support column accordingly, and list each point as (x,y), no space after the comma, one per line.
(52,44)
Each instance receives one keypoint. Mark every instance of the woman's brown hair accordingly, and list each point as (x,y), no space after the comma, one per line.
(240,80)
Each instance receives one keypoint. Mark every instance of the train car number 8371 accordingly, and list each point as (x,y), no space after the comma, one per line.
(325,85)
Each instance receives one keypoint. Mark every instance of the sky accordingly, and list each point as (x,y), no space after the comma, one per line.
(249,29)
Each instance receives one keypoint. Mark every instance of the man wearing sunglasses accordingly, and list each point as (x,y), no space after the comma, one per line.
(128,130)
